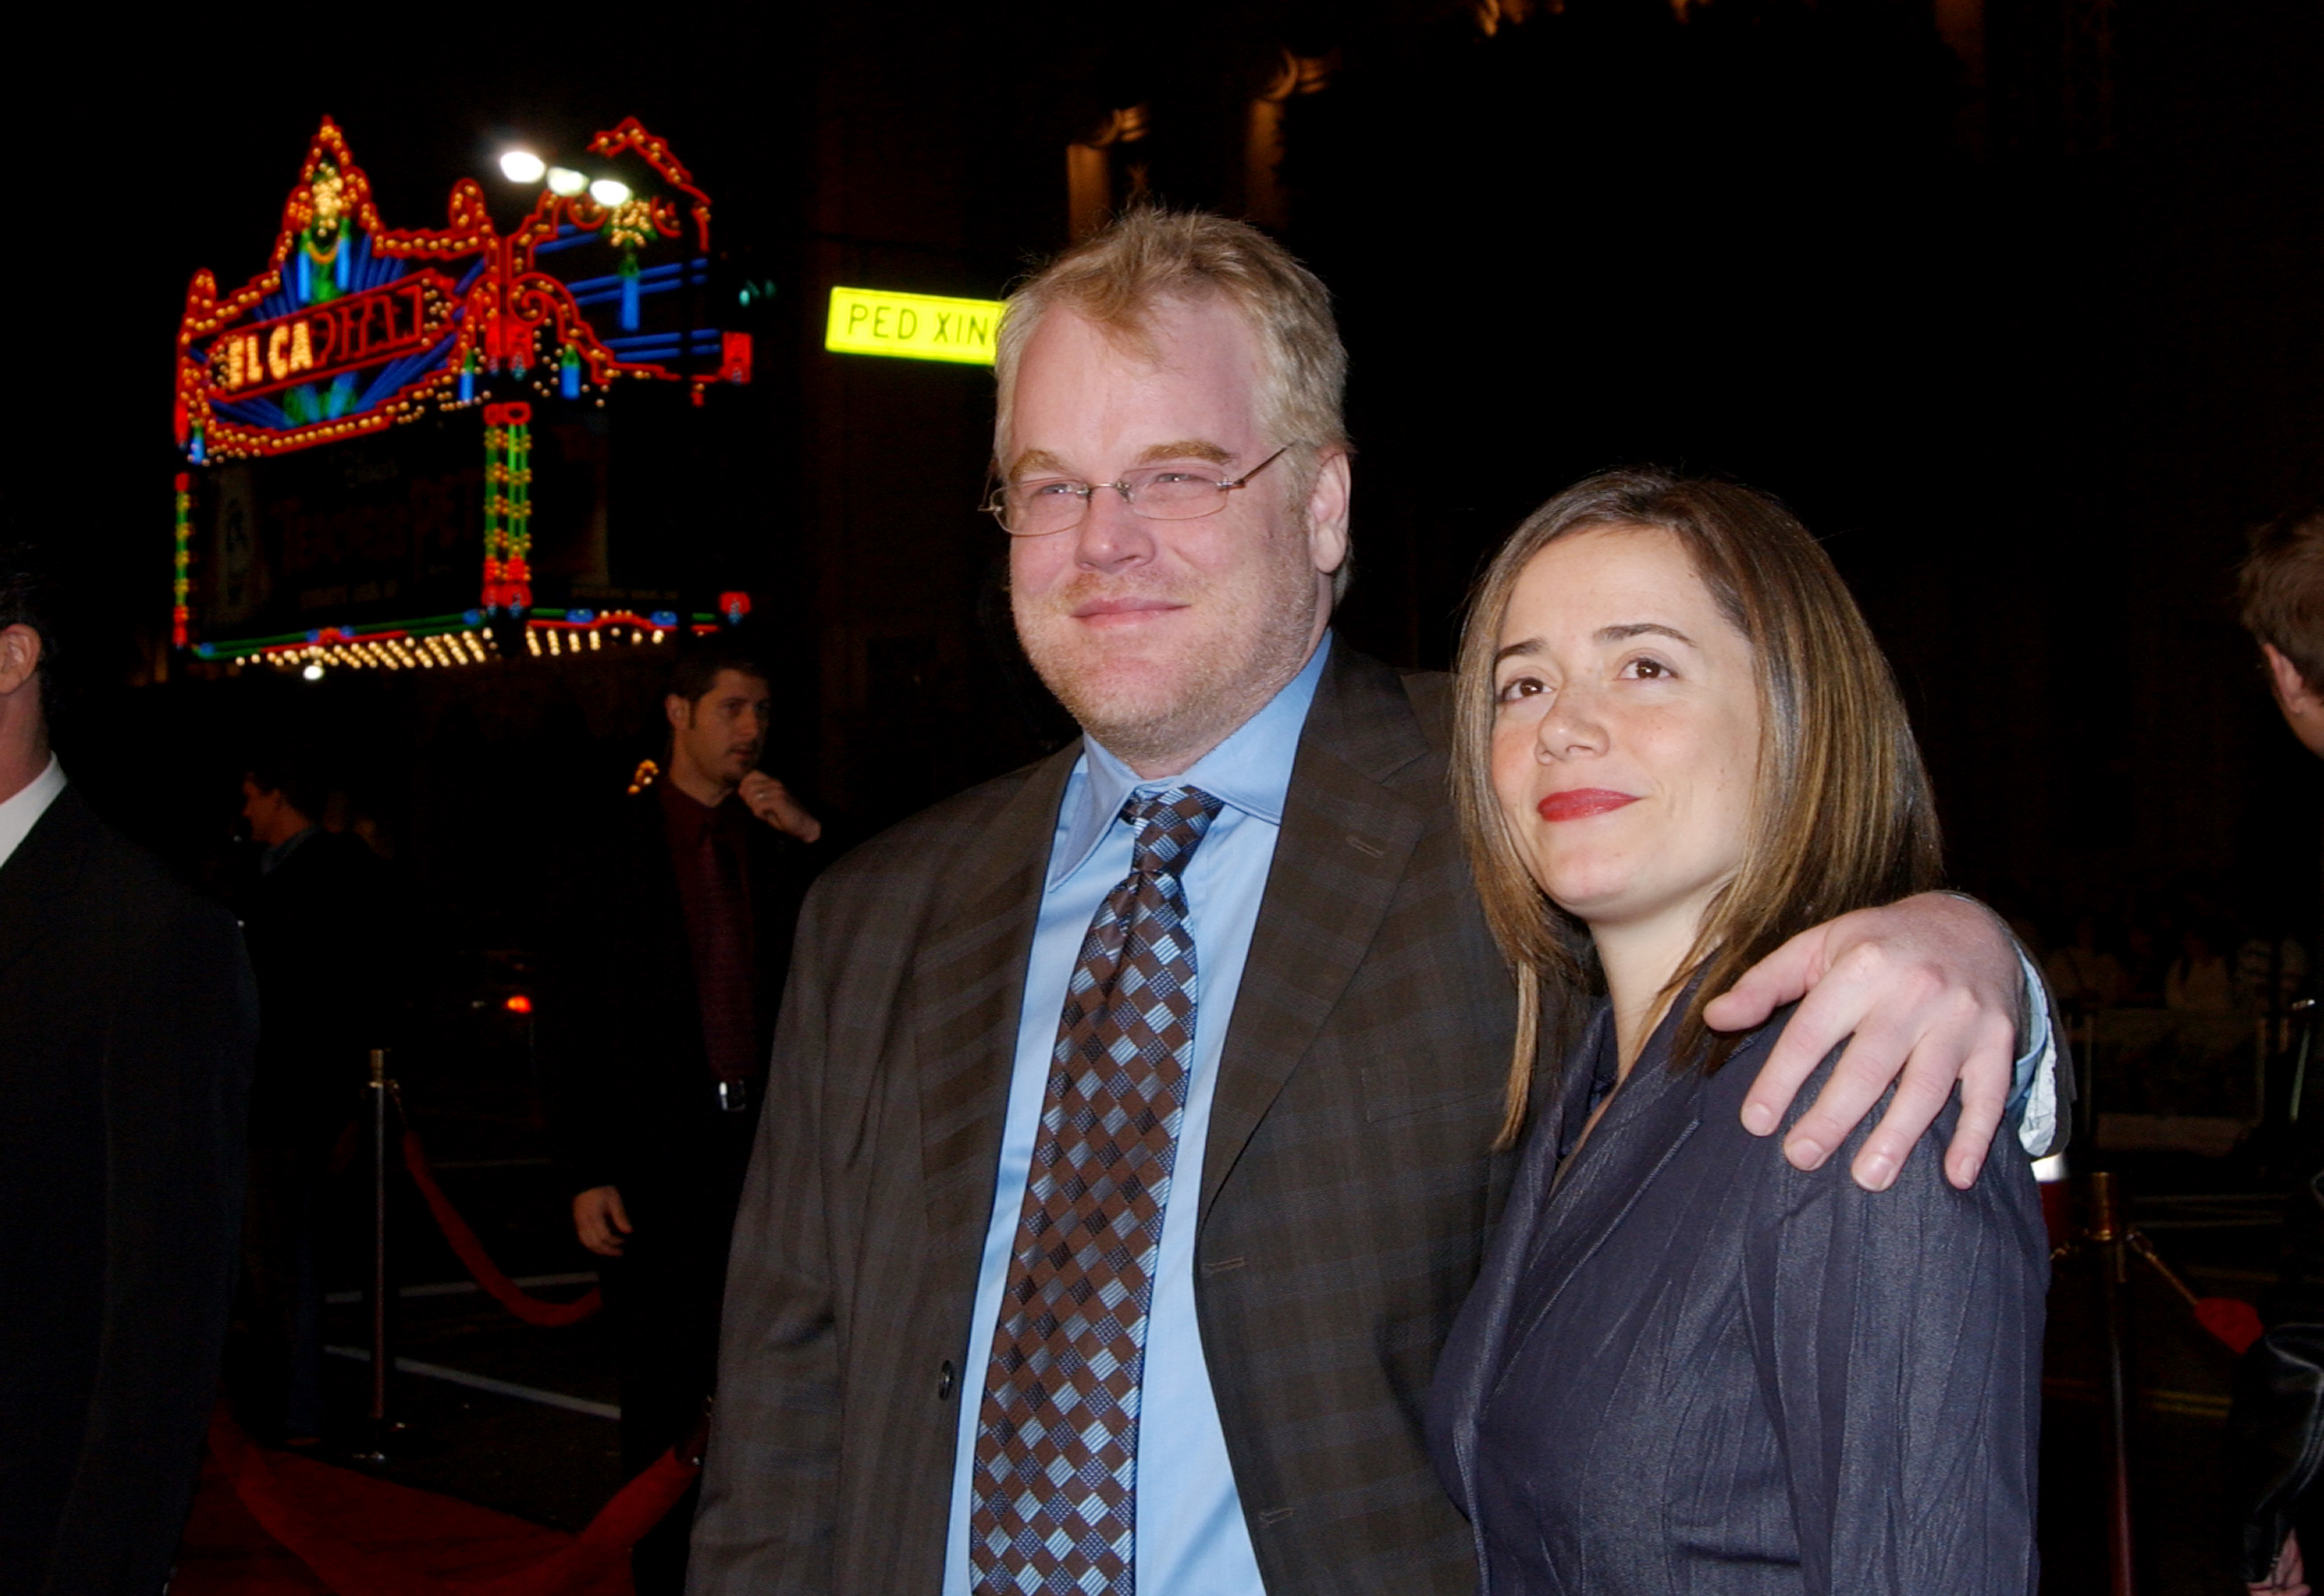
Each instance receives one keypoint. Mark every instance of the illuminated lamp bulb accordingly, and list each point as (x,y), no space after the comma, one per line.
(522,166)
(518,1003)
(610,192)
(313,673)
(565,180)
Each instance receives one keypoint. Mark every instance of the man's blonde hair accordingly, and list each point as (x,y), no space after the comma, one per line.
(1147,257)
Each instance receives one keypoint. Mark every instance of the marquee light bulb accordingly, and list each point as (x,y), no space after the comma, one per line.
(313,673)
(522,166)
(610,192)
(565,180)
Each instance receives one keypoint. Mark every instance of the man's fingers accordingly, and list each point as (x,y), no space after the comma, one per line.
(1821,1022)
(617,1213)
(1782,977)
(1985,1085)
(1868,1064)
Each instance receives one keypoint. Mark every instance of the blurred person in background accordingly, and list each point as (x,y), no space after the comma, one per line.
(127,1020)
(2084,976)
(2275,1425)
(318,916)
(2197,982)
(660,1023)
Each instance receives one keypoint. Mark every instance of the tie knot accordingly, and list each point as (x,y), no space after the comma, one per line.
(1169,823)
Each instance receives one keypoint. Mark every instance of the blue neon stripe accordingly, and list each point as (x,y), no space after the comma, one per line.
(381,269)
(396,373)
(699,268)
(605,296)
(705,340)
(257,412)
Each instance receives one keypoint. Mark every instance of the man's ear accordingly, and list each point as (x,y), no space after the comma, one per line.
(1327,512)
(20,657)
(680,712)
(2292,690)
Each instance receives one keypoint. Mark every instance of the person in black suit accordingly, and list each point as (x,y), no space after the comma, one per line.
(661,1023)
(1687,1365)
(127,1020)
(318,917)
(2276,1422)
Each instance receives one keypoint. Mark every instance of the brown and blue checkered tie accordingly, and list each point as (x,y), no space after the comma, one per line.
(1057,1436)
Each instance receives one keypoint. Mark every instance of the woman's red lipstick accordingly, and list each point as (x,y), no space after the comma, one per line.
(1583,802)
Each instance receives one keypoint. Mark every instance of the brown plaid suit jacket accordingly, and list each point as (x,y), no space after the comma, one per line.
(1345,1193)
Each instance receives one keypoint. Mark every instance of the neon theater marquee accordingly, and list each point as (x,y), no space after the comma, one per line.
(396,442)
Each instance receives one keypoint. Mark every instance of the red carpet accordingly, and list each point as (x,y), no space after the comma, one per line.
(404,1541)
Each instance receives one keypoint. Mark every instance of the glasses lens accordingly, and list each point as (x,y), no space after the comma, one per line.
(1033,508)
(1175,493)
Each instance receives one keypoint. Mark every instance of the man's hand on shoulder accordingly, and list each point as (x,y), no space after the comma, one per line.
(1926,993)
(597,1215)
(771,802)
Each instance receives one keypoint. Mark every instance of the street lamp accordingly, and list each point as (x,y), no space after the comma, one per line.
(610,192)
(522,166)
(564,181)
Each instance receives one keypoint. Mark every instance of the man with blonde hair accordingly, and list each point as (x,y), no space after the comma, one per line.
(1128,1150)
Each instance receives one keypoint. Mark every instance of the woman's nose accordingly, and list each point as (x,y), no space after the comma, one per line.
(1570,728)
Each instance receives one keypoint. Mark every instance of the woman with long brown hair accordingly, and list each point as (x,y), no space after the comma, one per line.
(1689,1366)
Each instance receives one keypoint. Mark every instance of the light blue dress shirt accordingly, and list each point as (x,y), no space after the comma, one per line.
(1191,1534)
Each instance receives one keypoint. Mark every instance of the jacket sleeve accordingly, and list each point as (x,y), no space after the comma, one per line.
(176,1092)
(2275,1423)
(769,1479)
(1897,1337)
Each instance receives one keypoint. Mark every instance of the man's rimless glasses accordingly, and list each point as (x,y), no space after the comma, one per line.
(1049,504)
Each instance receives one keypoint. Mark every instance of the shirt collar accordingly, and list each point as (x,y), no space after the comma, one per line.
(273,858)
(1249,771)
(23,809)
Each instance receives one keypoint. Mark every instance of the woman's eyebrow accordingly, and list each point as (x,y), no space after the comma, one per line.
(1531,645)
(1623,633)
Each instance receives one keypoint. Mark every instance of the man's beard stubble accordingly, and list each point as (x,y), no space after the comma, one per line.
(1214,690)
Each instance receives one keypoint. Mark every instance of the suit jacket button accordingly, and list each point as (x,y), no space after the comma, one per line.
(943,1380)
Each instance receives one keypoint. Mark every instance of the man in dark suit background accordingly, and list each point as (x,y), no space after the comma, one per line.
(2276,1423)
(127,1020)
(319,916)
(964,1350)
(663,1012)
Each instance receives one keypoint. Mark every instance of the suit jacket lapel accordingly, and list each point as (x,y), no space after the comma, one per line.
(1341,852)
(44,867)
(1648,1119)
(968,986)
(1485,1317)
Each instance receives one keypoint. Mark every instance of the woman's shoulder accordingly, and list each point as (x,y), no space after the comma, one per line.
(1722,1107)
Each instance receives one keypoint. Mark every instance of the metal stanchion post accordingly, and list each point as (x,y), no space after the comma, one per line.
(2108,1236)
(379,1426)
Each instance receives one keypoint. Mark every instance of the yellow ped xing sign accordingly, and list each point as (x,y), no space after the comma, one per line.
(912,327)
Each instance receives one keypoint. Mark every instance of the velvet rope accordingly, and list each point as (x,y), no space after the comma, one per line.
(350,1570)
(532,1310)
(347,1569)
(2235,1322)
